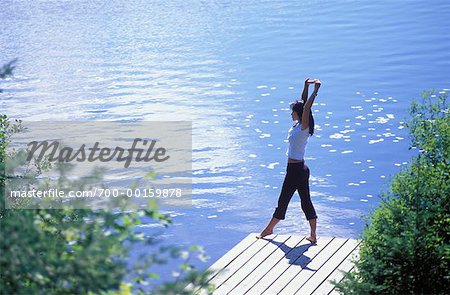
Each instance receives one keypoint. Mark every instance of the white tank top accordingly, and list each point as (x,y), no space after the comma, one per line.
(297,142)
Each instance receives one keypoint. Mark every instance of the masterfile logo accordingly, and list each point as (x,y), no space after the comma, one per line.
(95,153)
(100,165)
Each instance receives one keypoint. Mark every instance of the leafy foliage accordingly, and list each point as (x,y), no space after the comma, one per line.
(80,251)
(406,243)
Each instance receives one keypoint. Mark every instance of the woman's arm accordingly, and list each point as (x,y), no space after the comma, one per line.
(305,89)
(309,103)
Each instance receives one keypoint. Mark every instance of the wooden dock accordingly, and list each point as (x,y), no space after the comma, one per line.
(283,264)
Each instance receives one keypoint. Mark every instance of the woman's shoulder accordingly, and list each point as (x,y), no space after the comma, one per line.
(298,131)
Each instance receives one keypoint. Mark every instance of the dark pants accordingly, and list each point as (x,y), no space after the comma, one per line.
(296,179)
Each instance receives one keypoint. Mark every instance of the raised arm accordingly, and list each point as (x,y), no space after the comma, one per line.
(309,103)
(305,89)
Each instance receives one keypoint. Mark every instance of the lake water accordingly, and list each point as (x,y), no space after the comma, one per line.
(232,67)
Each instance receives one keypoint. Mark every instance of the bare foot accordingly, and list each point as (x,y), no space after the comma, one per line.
(264,233)
(312,239)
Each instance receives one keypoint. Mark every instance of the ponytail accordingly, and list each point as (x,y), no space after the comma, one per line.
(311,123)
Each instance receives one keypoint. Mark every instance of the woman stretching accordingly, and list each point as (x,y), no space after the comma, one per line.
(297,172)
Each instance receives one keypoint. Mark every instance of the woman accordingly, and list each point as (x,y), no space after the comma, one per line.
(297,172)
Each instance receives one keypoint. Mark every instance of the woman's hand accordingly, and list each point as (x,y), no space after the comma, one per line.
(308,81)
(317,84)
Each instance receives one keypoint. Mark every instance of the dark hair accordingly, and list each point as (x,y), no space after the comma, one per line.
(297,106)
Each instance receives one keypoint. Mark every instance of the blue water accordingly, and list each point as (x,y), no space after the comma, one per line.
(232,67)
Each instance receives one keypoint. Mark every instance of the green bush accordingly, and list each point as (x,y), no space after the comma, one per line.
(68,251)
(405,246)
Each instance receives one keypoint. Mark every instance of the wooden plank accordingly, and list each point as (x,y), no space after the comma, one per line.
(251,265)
(297,279)
(226,259)
(235,252)
(318,277)
(239,261)
(296,265)
(282,265)
(334,291)
(337,275)
(272,261)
